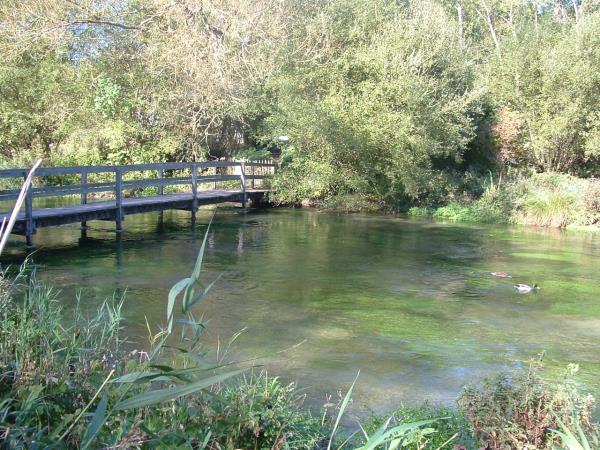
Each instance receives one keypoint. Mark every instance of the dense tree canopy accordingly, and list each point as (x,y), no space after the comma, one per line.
(393,100)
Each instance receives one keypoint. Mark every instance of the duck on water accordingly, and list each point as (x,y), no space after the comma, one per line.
(526,289)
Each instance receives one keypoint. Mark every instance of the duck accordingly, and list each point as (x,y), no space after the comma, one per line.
(500,275)
(525,288)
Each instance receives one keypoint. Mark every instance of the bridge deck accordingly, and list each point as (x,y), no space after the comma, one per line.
(107,210)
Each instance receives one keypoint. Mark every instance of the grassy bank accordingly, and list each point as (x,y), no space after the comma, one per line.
(547,200)
(539,199)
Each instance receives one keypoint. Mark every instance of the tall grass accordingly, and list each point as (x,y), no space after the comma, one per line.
(546,200)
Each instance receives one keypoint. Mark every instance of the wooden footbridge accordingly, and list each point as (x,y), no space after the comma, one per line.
(132,189)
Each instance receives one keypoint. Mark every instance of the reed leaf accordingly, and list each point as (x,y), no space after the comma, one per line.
(343,407)
(173,294)
(394,436)
(96,423)
(163,395)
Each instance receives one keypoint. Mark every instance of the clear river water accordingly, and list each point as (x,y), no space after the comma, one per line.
(411,304)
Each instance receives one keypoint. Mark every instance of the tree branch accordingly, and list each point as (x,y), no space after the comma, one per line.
(103,22)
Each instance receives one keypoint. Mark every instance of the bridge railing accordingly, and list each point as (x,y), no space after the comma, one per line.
(167,174)
(164,175)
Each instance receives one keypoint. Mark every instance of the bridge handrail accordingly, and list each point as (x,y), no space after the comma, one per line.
(74,170)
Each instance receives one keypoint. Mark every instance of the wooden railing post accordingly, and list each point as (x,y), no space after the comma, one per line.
(119,199)
(84,180)
(215,182)
(243,180)
(161,175)
(29,227)
(252,181)
(194,188)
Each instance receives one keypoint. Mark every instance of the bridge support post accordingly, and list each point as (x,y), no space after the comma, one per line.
(84,177)
(194,193)
(161,175)
(119,200)
(243,181)
(29,226)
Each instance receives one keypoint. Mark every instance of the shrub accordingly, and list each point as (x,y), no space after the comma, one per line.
(450,425)
(420,211)
(261,412)
(591,200)
(48,371)
(521,411)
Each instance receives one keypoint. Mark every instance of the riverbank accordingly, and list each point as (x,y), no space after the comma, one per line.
(545,200)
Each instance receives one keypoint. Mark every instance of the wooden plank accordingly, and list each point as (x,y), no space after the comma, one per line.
(107,210)
(84,193)
(243,181)
(84,187)
(194,189)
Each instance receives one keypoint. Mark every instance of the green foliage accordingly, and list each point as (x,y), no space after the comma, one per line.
(521,411)
(547,199)
(48,371)
(451,427)
(39,103)
(387,111)
(577,439)
(546,84)
(108,94)
(261,412)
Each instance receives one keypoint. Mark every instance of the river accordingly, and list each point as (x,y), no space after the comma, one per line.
(409,303)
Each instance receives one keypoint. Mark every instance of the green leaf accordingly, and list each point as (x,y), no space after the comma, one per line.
(137,377)
(164,395)
(195,277)
(173,294)
(201,295)
(396,432)
(96,423)
(343,407)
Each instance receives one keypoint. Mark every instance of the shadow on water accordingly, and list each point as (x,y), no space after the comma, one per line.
(410,303)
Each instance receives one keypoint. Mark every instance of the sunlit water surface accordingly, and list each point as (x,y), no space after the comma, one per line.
(411,304)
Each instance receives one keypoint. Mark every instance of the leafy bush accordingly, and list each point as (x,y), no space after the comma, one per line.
(451,427)
(520,411)
(545,199)
(544,85)
(49,371)
(260,412)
